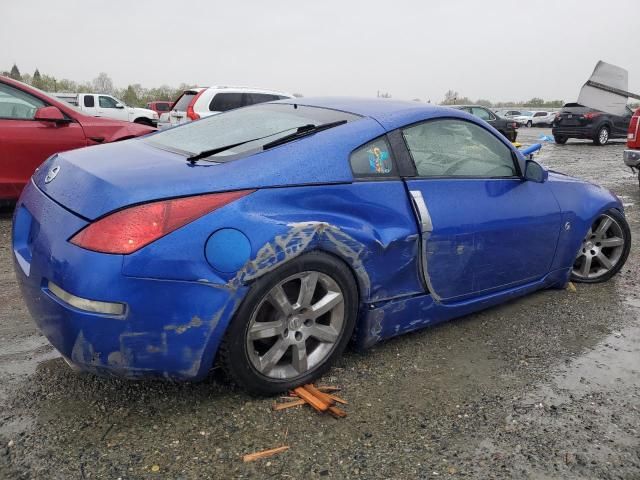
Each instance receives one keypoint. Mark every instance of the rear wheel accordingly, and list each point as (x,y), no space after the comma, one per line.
(529,123)
(602,137)
(604,250)
(560,140)
(294,322)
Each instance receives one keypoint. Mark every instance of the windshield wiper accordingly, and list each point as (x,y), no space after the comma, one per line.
(214,151)
(303,131)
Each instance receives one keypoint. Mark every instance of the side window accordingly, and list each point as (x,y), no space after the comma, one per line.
(482,113)
(16,104)
(253,98)
(106,102)
(89,101)
(222,102)
(455,148)
(163,107)
(373,159)
(540,114)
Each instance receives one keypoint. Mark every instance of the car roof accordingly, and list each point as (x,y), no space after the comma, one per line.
(240,88)
(391,114)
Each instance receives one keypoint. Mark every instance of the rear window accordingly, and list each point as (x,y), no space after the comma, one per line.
(223,102)
(183,102)
(257,125)
(89,101)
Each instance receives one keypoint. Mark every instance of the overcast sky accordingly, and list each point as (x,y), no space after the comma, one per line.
(494,49)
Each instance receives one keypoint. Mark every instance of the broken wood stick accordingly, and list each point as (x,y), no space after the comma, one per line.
(289,404)
(337,412)
(318,403)
(250,457)
(325,397)
(338,399)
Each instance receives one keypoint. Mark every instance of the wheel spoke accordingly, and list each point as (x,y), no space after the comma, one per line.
(261,330)
(308,285)
(299,359)
(606,263)
(611,242)
(273,355)
(586,267)
(603,227)
(326,304)
(324,333)
(279,300)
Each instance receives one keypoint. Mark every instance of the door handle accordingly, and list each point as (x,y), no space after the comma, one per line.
(421,211)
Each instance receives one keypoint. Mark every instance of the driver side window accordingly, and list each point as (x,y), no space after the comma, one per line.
(107,102)
(16,104)
(456,148)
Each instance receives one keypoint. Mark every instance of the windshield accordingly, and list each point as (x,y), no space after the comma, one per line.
(258,125)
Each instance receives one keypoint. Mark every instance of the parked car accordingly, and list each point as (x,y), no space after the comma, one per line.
(506,127)
(509,114)
(102,105)
(542,119)
(524,119)
(265,238)
(202,102)
(632,154)
(160,106)
(33,126)
(577,121)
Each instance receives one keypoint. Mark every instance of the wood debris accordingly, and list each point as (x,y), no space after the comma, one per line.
(250,457)
(319,398)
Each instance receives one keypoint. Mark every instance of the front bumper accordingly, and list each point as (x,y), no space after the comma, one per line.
(632,158)
(166,328)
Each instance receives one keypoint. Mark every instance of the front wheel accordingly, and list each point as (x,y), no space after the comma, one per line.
(604,250)
(294,322)
(602,137)
(560,140)
(529,124)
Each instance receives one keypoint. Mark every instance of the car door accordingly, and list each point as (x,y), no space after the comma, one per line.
(108,107)
(484,228)
(25,143)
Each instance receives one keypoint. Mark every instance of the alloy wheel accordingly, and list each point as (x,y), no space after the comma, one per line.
(603,136)
(296,325)
(601,249)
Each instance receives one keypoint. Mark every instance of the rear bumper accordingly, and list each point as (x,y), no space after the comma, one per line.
(632,158)
(166,328)
(573,131)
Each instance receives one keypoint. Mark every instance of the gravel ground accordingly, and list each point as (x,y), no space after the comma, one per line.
(547,386)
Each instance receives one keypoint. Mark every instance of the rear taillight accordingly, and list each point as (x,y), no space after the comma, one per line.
(128,230)
(191,113)
(634,127)
(592,115)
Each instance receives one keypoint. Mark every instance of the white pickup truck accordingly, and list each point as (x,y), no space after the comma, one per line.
(102,105)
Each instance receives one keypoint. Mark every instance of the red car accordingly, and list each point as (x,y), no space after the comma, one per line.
(632,154)
(160,106)
(34,126)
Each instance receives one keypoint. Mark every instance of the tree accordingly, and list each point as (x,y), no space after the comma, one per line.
(36,80)
(103,84)
(484,103)
(15,73)
(129,96)
(536,102)
(450,97)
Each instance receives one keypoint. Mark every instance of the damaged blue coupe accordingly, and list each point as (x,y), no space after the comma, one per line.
(266,238)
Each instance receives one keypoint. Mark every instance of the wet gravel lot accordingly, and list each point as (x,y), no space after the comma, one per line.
(547,386)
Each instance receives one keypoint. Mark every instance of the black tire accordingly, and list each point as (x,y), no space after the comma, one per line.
(143,121)
(560,140)
(602,136)
(626,235)
(529,124)
(233,352)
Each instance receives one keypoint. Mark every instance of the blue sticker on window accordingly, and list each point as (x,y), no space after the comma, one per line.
(379,160)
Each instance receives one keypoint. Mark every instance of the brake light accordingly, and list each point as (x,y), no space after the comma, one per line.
(191,113)
(591,115)
(634,126)
(128,230)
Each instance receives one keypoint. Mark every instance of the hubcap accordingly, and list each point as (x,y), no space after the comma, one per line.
(601,249)
(604,135)
(296,325)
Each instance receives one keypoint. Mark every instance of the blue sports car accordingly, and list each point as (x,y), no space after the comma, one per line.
(266,238)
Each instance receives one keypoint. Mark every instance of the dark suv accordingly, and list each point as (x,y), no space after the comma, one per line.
(506,127)
(576,121)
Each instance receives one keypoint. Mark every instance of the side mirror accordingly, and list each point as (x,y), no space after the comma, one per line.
(119,105)
(50,114)
(535,172)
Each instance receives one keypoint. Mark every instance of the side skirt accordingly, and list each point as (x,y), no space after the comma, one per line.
(382,321)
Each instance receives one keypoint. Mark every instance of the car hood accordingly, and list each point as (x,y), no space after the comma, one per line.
(104,130)
(94,181)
